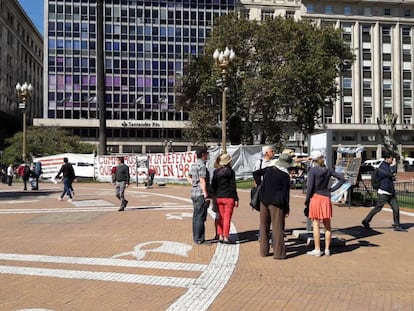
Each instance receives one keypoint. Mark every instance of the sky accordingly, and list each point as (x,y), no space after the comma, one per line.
(34,9)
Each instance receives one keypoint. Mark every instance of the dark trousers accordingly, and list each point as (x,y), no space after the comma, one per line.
(199,217)
(382,199)
(25,179)
(270,214)
(67,184)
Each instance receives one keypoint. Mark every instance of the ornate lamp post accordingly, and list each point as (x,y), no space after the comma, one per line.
(24,92)
(223,60)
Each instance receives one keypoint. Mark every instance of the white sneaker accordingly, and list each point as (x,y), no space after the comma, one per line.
(327,252)
(315,252)
(59,198)
(70,200)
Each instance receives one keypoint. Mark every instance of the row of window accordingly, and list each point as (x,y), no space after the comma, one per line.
(366,11)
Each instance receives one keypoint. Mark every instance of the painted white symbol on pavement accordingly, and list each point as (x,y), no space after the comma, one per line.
(179,216)
(34,310)
(169,247)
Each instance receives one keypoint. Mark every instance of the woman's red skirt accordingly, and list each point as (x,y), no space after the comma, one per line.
(320,207)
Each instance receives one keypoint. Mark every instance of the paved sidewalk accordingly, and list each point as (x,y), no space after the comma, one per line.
(86,255)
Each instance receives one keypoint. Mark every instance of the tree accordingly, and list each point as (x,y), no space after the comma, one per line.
(44,141)
(283,76)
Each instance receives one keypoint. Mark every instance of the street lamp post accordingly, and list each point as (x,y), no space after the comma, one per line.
(24,92)
(223,60)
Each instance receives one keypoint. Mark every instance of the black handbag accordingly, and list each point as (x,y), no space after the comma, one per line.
(255,198)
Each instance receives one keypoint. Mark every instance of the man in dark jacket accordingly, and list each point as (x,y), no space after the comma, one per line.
(386,193)
(68,177)
(121,182)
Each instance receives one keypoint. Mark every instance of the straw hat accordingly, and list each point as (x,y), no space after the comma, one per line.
(225,159)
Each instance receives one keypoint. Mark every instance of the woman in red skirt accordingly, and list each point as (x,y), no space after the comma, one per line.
(318,199)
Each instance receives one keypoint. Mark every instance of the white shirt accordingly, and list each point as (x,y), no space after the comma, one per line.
(10,171)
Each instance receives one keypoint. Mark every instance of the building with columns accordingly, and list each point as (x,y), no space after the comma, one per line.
(380,81)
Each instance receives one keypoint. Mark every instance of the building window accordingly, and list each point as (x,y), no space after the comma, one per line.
(367,12)
(244,13)
(310,8)
(290,14)
(387,12)
(407,13)
(328,9)
(347,10)
(267,14)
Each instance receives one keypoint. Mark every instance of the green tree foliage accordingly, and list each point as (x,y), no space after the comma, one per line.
(43,141)
(283,75)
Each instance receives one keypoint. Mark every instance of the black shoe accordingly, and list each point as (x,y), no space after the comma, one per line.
(398,228)
(366,224)
(125,203)
(121,208)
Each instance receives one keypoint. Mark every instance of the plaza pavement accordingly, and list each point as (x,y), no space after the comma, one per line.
(86,255)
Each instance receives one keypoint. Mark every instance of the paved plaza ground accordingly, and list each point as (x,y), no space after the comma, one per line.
(86,255)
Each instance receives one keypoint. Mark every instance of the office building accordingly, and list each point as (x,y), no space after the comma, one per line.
(146,46)
(21,60)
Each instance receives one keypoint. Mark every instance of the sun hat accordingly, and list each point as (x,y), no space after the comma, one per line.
(225,159)
(316,154)
(284,160)
(289,152)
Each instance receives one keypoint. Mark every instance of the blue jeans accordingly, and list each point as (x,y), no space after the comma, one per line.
(392,201)
(67,184)
(199,217)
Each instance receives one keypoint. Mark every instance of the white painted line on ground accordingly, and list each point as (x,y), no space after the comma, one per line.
(87,209)
(100,276)
(201,292)
(104,262)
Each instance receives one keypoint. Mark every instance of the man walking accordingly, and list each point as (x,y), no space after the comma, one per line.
(121,181)
(199,179)
(68,177)
(386,193)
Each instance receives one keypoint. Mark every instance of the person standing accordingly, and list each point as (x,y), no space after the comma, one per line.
(224,189)
(199,179)
(68,177)
(274,204)
(121,182)
(318,199)
(10,172)
(386,193)
(26,175)
(268,153)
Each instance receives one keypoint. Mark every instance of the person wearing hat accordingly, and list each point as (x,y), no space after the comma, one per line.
(274,204)
(318,200)
(224,190)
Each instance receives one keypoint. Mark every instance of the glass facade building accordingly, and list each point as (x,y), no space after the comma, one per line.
(146,45)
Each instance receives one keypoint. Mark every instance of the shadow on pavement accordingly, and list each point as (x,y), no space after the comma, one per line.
(26,194)
(247,236)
